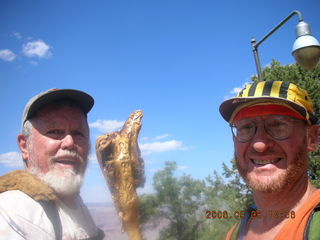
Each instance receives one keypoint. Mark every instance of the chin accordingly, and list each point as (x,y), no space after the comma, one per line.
(267,184)
(63,181)
(277,182)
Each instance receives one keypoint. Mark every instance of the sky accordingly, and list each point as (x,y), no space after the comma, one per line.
(176,60)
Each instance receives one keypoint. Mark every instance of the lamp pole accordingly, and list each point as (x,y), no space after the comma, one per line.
(302,30)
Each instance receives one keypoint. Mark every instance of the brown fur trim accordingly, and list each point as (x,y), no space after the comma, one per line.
(27,183)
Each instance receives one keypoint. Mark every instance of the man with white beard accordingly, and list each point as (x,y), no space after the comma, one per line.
(274,127)
(43,202)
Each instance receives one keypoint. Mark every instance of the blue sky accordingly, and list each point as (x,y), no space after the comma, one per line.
(175,60)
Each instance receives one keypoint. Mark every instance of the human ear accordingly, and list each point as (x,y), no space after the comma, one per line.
(312,138)
(22,143)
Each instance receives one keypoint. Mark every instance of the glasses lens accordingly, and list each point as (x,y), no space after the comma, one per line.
(279,127)
(244,130)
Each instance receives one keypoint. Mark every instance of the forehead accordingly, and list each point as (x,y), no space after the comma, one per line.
(56,114)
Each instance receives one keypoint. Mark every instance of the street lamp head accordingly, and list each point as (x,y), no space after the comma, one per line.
(306,48)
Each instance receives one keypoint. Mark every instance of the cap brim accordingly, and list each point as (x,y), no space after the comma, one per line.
(228,107)
(82,99)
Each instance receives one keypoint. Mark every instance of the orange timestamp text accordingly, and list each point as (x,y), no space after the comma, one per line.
(239,214)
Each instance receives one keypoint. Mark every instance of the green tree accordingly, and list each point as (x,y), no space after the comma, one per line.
(223,199)
(186,206)
(308,80)
(229,196)
(177,203)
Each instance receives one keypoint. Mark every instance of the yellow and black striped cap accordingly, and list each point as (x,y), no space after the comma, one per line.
(276,92)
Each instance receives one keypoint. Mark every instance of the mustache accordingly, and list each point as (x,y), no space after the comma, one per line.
(264,153)
(66,153)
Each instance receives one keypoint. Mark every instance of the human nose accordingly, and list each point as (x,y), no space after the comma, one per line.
(67,142)
(261,140)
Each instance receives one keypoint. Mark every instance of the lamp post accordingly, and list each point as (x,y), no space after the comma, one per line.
(306,48)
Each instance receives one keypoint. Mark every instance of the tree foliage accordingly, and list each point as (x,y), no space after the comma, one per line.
(181,204)
(176,203)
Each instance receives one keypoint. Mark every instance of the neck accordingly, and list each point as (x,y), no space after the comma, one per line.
(275,209)
(69,200)
(288,199)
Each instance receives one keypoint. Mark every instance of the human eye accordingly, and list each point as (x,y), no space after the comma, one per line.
(278,124)
(79,133)
(246,126)
(279,128)
(54,133)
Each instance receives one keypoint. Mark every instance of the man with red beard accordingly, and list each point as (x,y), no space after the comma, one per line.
(43,202)
(274,127)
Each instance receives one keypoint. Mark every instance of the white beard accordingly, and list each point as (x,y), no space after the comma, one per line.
(68,183)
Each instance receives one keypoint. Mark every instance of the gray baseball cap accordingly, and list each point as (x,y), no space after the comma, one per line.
(82,99)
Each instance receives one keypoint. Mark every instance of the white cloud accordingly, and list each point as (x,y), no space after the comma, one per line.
(7,55)
(106,125)
(17,35)
(34,63)
(161,136)
(143,139)
(235,91)
(37,49)
(182,167)
(93,158)
(11,159)
(148,148)
(184,148)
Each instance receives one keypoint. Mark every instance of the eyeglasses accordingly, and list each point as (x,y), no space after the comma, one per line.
(278,127)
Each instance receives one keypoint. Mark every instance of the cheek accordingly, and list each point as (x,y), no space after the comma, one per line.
(83,147)
(299,148)
(239,150)
(292,147)
(45,148)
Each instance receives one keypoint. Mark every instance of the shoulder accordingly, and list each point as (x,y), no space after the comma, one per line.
(27,183)
(18,202)
(21,214)
(15,199)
